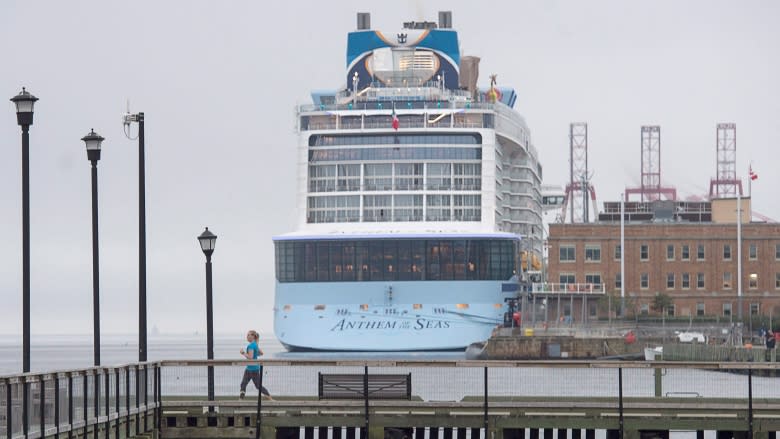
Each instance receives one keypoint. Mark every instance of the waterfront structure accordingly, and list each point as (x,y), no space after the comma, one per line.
(685,250)
(415,188)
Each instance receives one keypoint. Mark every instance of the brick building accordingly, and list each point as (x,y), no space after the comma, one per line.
(687,251)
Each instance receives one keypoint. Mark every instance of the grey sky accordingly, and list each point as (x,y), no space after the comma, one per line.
(219,80)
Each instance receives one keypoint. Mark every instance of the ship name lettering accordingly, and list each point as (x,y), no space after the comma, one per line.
(430,324)
(345,324)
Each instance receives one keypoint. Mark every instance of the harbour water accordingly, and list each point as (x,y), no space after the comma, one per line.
(63,352)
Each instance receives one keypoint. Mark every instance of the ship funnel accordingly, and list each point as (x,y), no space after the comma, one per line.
(363,20)
(445,19)
(469,73)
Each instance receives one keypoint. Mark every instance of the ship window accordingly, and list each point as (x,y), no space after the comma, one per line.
(438,208)
(396,259)
(378,177)
(384,154)
(467,176)
(393,139)
(377,208)
(467,207)
(408,176)
(439,176)
(407,207)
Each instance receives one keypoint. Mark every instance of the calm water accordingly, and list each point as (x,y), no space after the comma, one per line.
(60,352)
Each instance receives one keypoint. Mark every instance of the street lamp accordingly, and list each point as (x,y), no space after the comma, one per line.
(207,241)
(127,119)
(25,102)
(93,141)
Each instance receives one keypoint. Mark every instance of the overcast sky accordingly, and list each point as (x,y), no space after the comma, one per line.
(219,82)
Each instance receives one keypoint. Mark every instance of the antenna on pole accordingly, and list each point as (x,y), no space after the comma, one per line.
(127,119)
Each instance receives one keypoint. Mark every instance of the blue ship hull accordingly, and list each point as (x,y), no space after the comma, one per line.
(384,316)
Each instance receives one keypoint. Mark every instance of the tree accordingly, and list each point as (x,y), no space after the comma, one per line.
(661,302)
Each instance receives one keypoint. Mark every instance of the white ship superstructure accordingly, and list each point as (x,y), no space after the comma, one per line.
(417,191)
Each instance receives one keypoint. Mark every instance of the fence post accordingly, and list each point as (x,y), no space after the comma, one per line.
(116,401)
(70,404)
(96,390)
(146,396)
(9,420)
(85,403)
(137,401)
(486,402)
(108,402)
(56,404)
(25,396)
(750,402)
(42,400)
(127,401)
(620,400)
(365,399)
(259,420)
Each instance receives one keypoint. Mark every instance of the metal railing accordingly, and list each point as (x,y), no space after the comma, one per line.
(107,399)
(576,289)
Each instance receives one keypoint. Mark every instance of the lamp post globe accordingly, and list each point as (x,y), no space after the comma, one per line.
(93,142)
(25,103)
(207,241)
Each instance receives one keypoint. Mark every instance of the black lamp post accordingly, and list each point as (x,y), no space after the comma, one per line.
(207,241)
(25,102)
(93,141)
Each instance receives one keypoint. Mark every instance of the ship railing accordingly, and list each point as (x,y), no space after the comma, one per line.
(576,289)
(387,106)
(406,124)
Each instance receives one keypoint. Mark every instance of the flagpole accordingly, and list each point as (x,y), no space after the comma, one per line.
(739,255)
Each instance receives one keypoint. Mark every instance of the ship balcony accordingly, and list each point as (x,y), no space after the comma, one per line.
(417,116)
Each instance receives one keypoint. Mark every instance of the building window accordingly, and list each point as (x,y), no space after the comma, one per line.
(670,252)
(618,252)
(726,252)
(755,309)
(644,309)
(592,253)
(567,253)
(753,281)
(593,309)
(700,309)
(670,310)
(644,252)
(593,278)
(619,281)
(727,280)
(726,309)
(670,281)
(566,278)
(685,252)
(753,252)
(644,281)
(700,280)
(700,252)
(777,252)
(777,281)
(685,281)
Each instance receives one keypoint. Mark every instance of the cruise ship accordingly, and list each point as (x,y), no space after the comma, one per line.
(417,193)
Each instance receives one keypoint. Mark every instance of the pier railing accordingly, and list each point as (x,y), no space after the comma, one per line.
(171,396)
